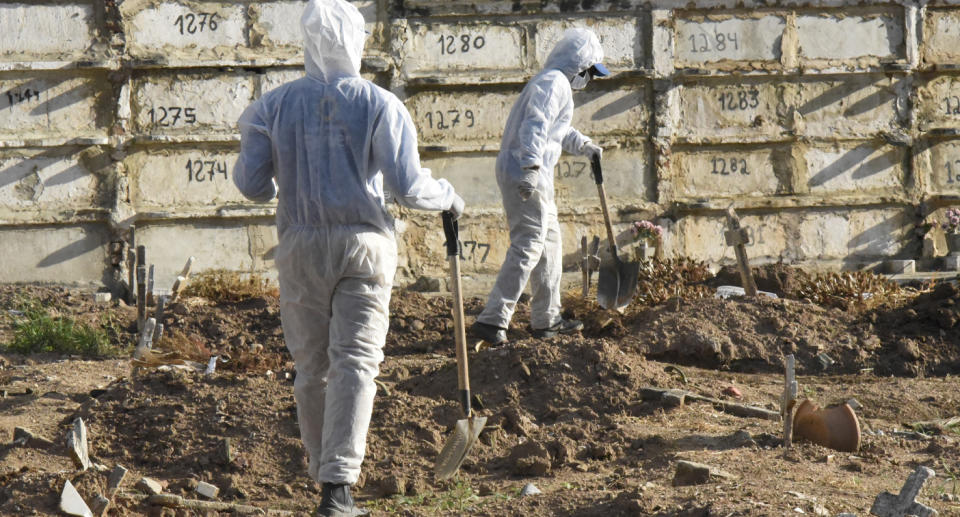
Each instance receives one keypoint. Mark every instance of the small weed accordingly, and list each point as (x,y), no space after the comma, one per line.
(220,285)
(460,498)
(36,331)
(457,498)
(953,477)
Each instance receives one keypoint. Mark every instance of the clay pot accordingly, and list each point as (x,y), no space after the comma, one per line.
(836,427)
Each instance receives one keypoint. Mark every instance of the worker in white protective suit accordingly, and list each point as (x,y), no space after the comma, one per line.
(537,130)
(328,145)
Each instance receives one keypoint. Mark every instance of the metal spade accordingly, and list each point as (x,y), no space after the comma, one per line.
(466,431)
(617,281)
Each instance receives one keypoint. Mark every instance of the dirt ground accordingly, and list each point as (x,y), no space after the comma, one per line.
(565,414)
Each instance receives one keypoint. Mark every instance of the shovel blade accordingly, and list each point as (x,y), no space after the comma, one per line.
(617,284)
(464,435)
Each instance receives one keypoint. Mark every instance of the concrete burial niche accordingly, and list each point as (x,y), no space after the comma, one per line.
(831,126)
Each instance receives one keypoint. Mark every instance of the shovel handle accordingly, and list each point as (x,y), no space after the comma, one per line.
(452,231)
(598,176)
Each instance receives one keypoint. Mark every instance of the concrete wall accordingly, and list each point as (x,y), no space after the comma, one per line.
(831,126)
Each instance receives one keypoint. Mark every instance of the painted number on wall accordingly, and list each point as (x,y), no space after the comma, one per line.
(16,96)
(952,105)
(739,100)
(473,253)
(200,171)
(436,119)
(727,166)
(191,23)
(167,116)
(718,42)
(569,169)
(953,171)
(450,44)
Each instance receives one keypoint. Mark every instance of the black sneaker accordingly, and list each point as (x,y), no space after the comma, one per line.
(335,501)
(494,336)
(560,327)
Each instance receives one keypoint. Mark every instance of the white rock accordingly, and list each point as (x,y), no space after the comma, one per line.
(529,489)
(71,503)
(726,291)
(207,490)
(150,486)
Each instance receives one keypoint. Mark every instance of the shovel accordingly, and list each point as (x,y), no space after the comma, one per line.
(467,430)
(617,281)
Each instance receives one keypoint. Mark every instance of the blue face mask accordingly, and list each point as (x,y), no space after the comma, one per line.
(580,80)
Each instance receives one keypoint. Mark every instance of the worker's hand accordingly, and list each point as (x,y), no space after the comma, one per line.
(456,208)
(591,150)
(528,183)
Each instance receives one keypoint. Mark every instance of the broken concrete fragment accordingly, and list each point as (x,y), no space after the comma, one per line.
(71,503)
(692,473)
(100,506)
(77,444)
(224,452)
(889,505)
(115,480)
(207,490)
(150,486)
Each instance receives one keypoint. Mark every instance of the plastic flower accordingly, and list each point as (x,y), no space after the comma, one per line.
(646,230)
(952,222)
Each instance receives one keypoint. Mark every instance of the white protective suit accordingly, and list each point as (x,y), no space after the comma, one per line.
(333,141)
(537,130)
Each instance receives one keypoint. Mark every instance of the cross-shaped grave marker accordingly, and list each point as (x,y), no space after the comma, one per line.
(889,505)
(589,261)
(788,400)
(737,237)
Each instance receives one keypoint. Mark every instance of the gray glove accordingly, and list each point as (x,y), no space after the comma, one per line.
(528,183)
(590,150)
(456,208)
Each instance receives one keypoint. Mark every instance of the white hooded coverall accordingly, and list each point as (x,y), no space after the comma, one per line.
(537,130)
(332,142)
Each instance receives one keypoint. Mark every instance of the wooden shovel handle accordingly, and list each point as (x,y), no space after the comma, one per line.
(598,177)
(451,230)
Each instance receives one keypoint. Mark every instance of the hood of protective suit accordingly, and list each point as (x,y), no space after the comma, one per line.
(333,38)
(577,50)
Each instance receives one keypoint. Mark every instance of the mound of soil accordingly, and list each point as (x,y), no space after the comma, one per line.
(564,412)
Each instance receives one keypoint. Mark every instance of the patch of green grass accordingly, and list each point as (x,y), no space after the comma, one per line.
(35,331)
(460,498)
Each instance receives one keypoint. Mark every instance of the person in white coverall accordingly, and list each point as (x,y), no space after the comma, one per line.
(328,145)
(537,130)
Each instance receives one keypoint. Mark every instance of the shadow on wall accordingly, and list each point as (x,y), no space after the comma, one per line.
(854,160)
(21,169)
(847,89)
(90,241)
(59,101)
(624,103)
(876,242)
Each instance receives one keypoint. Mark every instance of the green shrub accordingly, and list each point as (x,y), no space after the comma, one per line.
(36,331)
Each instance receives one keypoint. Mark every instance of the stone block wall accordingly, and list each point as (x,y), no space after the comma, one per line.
(831,126)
